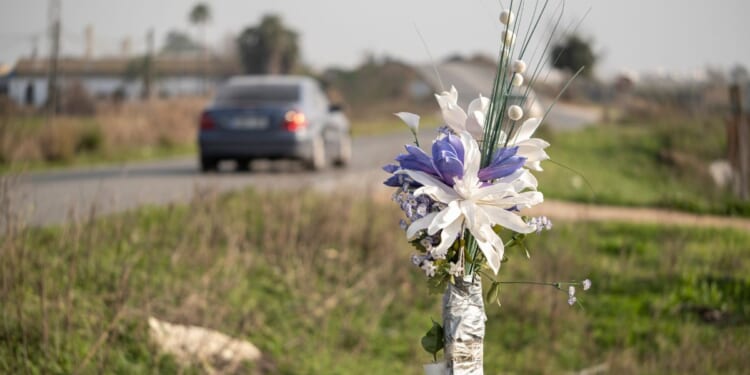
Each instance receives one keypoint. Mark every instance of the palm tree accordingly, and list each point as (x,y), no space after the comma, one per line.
(199,16)
(269,48)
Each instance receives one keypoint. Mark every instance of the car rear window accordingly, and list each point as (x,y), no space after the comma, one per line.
(242,94)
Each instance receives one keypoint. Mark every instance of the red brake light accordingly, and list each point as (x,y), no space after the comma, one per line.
(294,121)
(207,123)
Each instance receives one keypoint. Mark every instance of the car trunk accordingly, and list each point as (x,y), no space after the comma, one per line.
(249,119)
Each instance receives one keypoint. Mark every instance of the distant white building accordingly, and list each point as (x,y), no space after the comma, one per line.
(27,84)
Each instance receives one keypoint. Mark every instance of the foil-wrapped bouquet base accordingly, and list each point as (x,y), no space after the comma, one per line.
(463,324)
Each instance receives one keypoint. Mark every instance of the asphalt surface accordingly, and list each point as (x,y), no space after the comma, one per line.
(56,197)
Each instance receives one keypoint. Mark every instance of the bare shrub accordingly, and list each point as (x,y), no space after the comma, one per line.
(76,100)
(24,151)
(58,141)
(157,123)
(114,128)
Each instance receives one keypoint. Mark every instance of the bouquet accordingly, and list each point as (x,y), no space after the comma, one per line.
(463,201)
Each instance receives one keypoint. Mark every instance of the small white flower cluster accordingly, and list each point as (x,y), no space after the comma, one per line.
(572,291)
(456,269)
(427,264)
(571,295)
(415,207)
(541,223)
(429,268)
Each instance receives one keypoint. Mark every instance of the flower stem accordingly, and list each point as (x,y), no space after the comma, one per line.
(530,283)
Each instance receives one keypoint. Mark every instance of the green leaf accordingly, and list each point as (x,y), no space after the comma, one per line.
(433,340)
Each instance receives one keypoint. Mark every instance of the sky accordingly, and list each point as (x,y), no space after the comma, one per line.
(635,35)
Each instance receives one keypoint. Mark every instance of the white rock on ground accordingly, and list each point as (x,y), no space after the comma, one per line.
(721,172)
(198,345)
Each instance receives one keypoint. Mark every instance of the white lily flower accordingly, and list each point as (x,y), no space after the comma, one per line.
(457,119)
(530,148)
(475,207)
(410,119)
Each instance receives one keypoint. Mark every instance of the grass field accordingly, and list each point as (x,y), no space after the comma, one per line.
(660,163)
(323,285)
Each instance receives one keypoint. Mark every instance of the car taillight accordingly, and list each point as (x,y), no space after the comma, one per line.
(207,123)
(294,121)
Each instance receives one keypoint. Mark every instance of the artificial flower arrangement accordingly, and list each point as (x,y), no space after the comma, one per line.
(463,201)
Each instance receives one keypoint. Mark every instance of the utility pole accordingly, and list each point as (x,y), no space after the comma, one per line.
(88,34)
(148,65)
(54,57)
(739,139)
(34,47)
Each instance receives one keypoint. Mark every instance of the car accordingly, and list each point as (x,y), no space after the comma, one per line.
(273,117)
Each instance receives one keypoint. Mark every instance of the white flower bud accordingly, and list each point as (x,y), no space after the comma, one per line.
(507,17)
(517,80)
(515,112)
(518,66)
(508,37)
(586,284)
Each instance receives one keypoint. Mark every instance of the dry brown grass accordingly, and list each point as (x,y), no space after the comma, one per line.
(113,130)
(154,123)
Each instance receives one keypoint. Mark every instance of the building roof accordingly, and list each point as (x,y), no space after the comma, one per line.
(119,66)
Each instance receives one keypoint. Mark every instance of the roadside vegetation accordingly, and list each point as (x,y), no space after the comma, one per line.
(662,162)
(128,132)
(111,133)
(323,284)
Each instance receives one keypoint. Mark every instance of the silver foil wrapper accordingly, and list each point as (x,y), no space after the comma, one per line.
(463,325)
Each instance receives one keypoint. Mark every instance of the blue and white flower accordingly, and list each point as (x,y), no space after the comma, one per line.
(475,199)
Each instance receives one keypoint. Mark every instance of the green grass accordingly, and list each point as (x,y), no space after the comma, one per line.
(323,285)
(662,164)
(89,159)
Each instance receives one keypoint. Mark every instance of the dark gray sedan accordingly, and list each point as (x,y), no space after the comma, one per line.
(273,117)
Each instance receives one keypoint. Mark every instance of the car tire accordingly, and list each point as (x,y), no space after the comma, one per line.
(344,152)
(208,164)
(317,158)
(243,165)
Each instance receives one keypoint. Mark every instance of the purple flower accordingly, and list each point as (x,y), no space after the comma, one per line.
(504,163)
(447,162)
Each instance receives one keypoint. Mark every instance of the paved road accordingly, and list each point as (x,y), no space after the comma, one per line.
(54,197)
